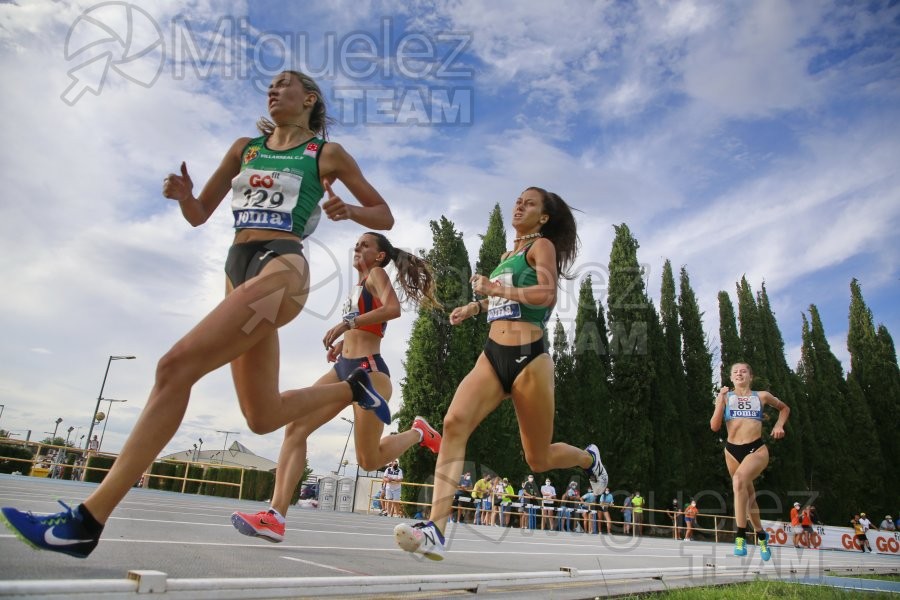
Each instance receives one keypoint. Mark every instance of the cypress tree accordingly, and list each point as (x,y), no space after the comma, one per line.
(786,455)
(667,475)
(731,351)
(707,462)
(439,355)
(590,392)
(873,378)
(846,451)
(669,314)
(885,404)
(861,342)
(752,339)
(629,444)
(674,390)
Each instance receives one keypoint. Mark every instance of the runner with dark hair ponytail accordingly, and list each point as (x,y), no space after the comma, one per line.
(413,274)
(371,304)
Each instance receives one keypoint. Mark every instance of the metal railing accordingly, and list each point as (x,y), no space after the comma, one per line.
(58,467)
(566,514)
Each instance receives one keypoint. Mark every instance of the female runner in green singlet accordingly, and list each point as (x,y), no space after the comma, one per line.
(518,298)
(266,273)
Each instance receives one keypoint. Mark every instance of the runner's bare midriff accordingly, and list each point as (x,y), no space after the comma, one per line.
(358,344)
(242,236)
(743,431)
(515,333)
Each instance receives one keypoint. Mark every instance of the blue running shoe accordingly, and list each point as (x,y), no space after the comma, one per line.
(63,532)
(740,547)
(365,395)
(763,540)
(596,473)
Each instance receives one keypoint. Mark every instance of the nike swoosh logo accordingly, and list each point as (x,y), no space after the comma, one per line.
(520,359)
(268,252)
(376,401)
(56,541)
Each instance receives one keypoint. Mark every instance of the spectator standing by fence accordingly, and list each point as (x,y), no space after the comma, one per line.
(690,520)
(627,508)
(638,502)
(675,514)
(548,494)
(796,527)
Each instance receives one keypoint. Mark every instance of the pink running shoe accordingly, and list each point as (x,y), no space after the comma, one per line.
(431,439)
(263,524)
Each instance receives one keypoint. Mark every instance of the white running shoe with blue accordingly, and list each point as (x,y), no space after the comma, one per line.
(63,532)
(596,473)
(366,396)
(421,538)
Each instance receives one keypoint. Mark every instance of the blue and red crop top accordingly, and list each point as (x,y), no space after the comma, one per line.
(359,303)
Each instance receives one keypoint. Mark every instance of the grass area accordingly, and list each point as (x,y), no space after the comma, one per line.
(879,577)
(763,589)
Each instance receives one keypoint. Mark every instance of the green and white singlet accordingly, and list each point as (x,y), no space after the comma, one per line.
(516,272)
(277,189)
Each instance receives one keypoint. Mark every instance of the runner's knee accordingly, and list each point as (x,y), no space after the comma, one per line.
(537,462)
(457,425)
(176,369)
(369,461)
(740,482)
(261,422)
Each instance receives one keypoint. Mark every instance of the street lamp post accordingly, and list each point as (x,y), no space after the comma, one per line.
(338,472)
(100,396)
(58,421)
(2,406)
(68,433)
(227,433)
(106,420)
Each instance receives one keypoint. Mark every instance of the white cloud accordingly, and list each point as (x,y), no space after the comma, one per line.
(633,115)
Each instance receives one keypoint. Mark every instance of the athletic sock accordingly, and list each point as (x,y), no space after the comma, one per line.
(741,532)
(421,434)
(93,526)
(278,516)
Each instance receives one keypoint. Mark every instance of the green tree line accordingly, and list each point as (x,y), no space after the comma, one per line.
(640,382)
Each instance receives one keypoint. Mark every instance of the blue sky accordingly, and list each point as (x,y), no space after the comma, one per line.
(756,138)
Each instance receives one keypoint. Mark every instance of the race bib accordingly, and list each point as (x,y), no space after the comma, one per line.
(265,199)
(501,308)
(744,407)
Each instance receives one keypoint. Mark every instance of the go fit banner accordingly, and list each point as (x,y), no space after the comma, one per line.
(825,537)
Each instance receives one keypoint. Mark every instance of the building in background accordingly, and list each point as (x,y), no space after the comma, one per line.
(237,455)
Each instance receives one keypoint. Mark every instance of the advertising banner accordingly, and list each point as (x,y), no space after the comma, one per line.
(826,537)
